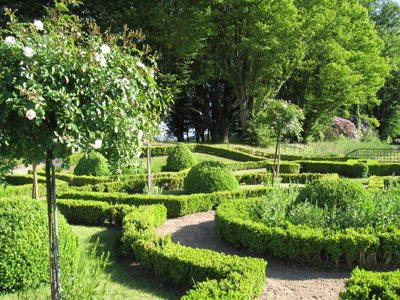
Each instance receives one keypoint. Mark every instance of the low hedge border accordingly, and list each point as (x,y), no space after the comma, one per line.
(259,178)
(176,205)
(96,213)
(213,275)
(346,168)
(363,246)
(22,190)
(372,285)
(285,167)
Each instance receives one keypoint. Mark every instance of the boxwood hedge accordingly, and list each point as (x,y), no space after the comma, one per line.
(363,246)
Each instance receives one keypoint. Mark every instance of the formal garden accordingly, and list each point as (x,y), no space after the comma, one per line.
(83,106)
(331,221)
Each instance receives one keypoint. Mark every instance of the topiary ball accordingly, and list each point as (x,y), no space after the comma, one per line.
(93,164)
(360,170)
(210,176)
(24,244)
(181,158)
(332,192)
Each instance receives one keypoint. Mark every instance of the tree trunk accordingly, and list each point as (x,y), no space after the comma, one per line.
(53,279)
(149,179)
(35,193)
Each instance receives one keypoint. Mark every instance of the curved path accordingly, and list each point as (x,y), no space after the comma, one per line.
(284,281)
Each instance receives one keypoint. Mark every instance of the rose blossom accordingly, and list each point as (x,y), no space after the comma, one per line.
(38,24)
(10,40)
(57,162)
(28,51)
(30,114)
(105,49)
(97,144)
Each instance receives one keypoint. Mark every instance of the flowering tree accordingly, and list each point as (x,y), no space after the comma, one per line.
(283,118)
(342,127)
(65,87)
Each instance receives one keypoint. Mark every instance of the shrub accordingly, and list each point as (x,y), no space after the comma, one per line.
(360,170)
(372,285)
(210,176)
(24,244)
(332,192)
(180,158)
(94,164)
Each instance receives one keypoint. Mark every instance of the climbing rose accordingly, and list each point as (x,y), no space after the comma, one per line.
(28,51)
(97,144)
(57,162)
(10,40)
(38,24)
(105,49)
(30,114)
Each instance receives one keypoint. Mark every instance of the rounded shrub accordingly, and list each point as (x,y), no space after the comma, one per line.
(210,176)
(93,164)
(24,244)
(181,158)
(360,170)
(332,192)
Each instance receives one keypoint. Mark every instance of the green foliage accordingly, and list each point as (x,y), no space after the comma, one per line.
(360,170)
(332,192)
(372,285)
(94,164)
(210,176)
(24,241)
(87,88)
(181,158)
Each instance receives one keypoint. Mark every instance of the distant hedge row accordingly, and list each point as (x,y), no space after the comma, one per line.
(176,205)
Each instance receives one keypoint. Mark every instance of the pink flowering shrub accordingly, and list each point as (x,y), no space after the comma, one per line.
(342,127)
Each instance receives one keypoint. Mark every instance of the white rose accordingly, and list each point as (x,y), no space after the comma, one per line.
(28,51)
(57,162)
(97,144)
(103,63)
(38,24)
(105,49)
(140,135)
(10,40)
(30,114)
(141,65)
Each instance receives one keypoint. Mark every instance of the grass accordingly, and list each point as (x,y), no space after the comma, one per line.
(122,282)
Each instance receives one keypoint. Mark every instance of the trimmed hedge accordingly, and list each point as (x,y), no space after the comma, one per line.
(346,168)
(181,158)
(214,275)
(22,190)
(226,153)
(286,167)
(258,178)
(372,285)
(364,246)
(208,177)
(96,213)
(94,164)
(176,205)
(24,244)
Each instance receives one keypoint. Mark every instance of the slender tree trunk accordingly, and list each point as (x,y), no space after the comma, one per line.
(53,278)
(35,193)
(279,155)
(56,253)
(149,179)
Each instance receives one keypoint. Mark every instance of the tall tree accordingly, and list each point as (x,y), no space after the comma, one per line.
(343,66)
(386,15)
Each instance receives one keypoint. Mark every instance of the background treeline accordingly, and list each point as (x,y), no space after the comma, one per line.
(223,59)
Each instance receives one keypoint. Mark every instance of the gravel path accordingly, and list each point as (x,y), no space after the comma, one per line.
(285,281)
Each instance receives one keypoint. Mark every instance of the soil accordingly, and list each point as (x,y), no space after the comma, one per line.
(284,280)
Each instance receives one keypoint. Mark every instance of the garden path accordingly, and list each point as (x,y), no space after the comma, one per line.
(284,280)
